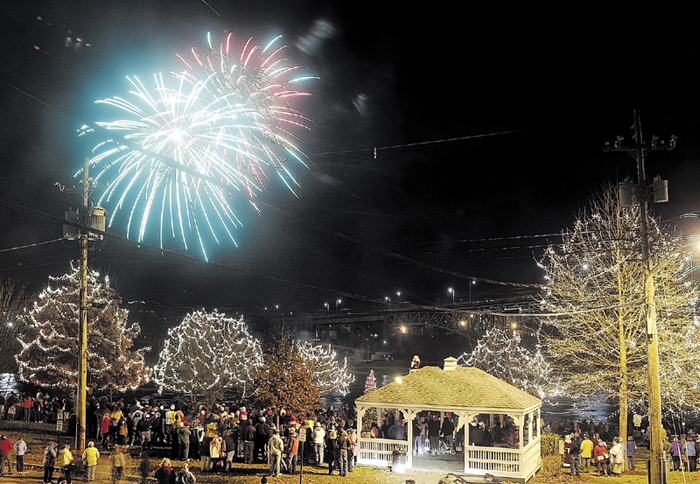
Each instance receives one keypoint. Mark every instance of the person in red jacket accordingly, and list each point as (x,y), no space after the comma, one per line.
(5,449)
(600,456)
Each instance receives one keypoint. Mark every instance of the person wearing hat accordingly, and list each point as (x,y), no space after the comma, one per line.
(292,447)
(90,456)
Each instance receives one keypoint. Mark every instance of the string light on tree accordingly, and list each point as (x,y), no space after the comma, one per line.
(595,287)
(208,352)
(50,334)
(500,353)
(329,375)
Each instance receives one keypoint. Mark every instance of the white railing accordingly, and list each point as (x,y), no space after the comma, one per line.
(378,452)
(495,460)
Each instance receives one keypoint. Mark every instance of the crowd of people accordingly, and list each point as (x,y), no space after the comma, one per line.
(591,452)
(32,408)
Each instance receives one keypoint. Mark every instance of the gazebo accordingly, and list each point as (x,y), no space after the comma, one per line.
(476,401)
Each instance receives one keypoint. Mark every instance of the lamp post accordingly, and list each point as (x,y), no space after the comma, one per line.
(452,291)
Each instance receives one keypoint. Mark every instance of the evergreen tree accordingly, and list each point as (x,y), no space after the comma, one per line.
(371,415)
(49,337)
(206,353)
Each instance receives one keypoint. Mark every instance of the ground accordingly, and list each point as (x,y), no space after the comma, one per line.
(38,435)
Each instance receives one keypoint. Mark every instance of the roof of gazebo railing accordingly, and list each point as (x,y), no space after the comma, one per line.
(453,387)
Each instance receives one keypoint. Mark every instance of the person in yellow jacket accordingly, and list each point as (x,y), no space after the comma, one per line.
(586,452)
(65,462)
(90,456)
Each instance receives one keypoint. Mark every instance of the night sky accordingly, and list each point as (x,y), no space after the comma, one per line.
(488,129)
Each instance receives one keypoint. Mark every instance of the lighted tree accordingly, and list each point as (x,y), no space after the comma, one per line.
(49,338)
(208,353)
(596,338)
(370,382)
(12,302)
(500,353)
(329,375)
(371,415)
(286,380)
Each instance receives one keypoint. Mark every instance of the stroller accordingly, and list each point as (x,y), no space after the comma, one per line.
(444,447)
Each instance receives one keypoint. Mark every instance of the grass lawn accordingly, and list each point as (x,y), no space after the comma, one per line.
(38,436)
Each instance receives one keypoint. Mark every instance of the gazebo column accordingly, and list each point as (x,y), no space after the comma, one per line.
(467,417)
(360,413)
(410,416)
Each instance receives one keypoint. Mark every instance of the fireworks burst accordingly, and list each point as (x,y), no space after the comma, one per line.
(200,140)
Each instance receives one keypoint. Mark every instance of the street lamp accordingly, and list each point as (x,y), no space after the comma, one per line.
(470,290)
(452,291)
(337,301)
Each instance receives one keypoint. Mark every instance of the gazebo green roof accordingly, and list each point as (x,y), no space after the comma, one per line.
(454,388)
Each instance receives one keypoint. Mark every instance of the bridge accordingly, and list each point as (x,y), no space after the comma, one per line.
(372,328)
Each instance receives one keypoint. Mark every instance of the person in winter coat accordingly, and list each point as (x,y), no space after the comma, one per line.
(164,473)
(676,453)
(65,461)
(5,449)
(276,447)
(293,449)
(600,456)
(343,447)
(617,457)
(105,426)
(49,462)
(216,452)
(185,476)
(20,449)
(333,451)
(319,436)
(90,456)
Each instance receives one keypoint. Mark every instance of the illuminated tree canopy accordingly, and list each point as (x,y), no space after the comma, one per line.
(596,338)
(208,352)
(328,374)
(500,353)
(49,337)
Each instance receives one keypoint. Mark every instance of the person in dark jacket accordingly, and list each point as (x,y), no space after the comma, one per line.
(249,442)
(332,451)
(165,474)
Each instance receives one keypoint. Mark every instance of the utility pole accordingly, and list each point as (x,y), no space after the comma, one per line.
(641,194)
(83,323)
(87,217)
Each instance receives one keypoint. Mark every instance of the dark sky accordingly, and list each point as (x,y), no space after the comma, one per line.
(488,128)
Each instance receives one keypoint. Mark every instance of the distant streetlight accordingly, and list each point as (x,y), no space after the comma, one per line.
(452,291)
(470,290)
(327,306)
(337,301)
